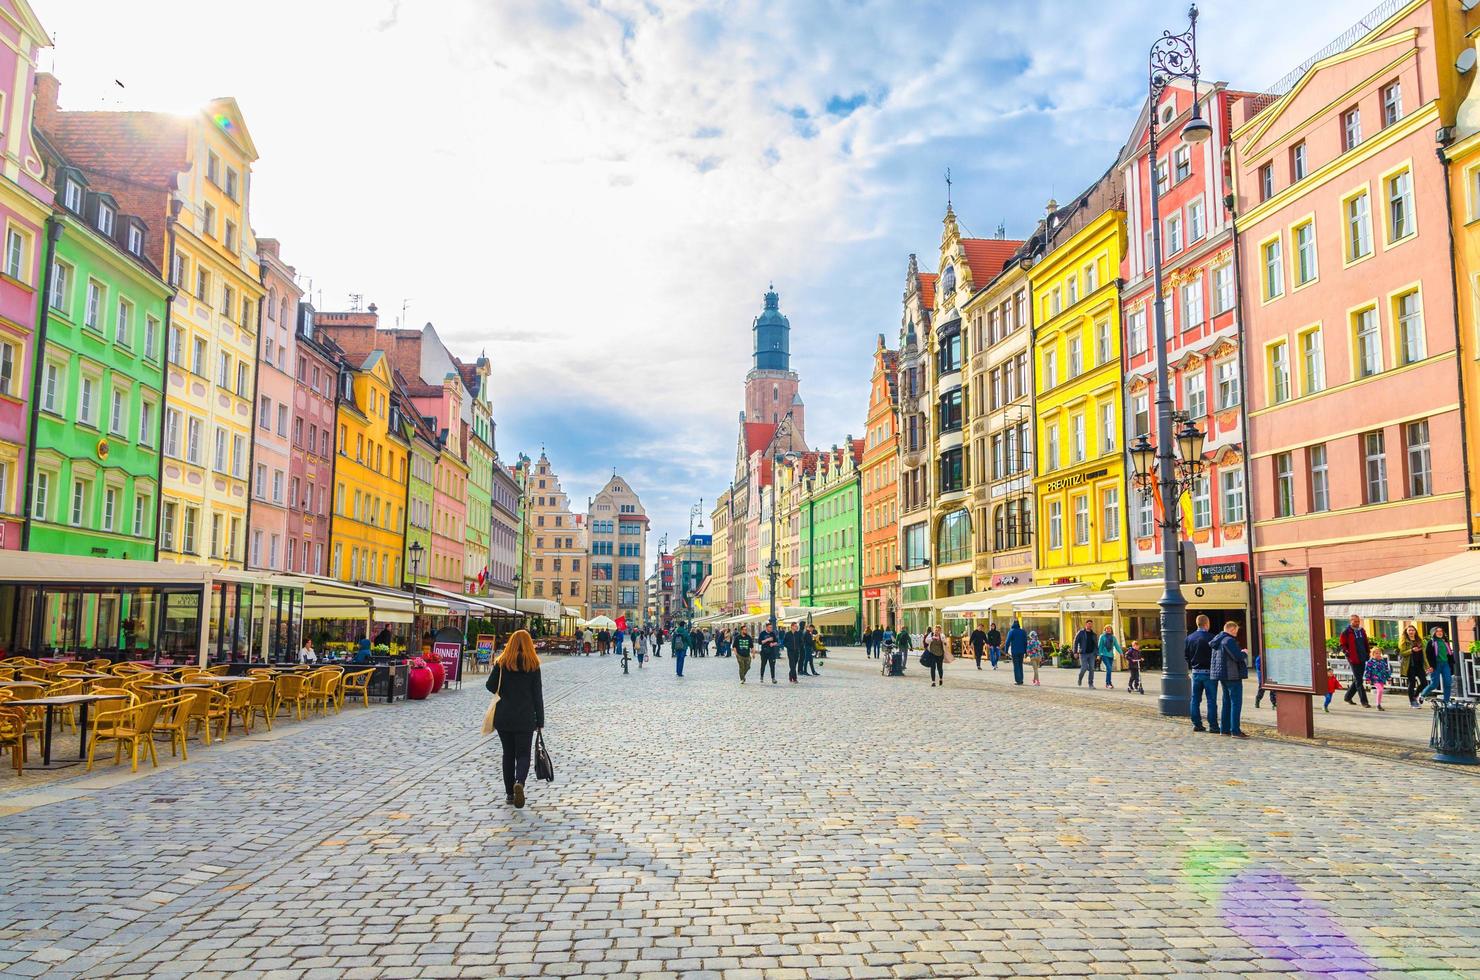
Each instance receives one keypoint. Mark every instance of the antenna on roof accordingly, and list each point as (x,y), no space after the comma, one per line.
(1001,229)
(948,187)
(356,302)
(401,321)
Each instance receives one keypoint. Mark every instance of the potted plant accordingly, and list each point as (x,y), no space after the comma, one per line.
(418,680)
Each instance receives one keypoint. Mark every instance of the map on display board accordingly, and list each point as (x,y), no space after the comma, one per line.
(1285,622)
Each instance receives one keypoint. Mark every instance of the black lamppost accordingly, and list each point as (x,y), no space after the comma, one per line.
(1172,56)
(415,551)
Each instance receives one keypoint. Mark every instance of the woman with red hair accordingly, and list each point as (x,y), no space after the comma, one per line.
(519,709)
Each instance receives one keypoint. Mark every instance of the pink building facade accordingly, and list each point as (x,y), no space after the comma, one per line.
(1353,392)
(311,466)
(24,207)
(1200,291)
(442,408)
(274,491)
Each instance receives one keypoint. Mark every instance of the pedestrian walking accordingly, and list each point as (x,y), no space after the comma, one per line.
(795,639)
(658,635)
(1087,648)
(1109,648)
(935,649)
(680,643)
(722,643)
(979,647)
(639,647)
(1356,646)
(994,647)
(868,643)
(588,642)
(770,644)
(1229,665)
(1019,645)
(518,709)
(742,645)
(1332,686)
(1199,652)
(1274,696)
(1133,660)
(904,644)
(1415,662)
(809,651)
(1442,656)
(617,638)
(1378,673)
(1034,652)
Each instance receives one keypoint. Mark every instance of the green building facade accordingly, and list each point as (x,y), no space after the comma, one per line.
(831,569)
(420,474)
(94,480)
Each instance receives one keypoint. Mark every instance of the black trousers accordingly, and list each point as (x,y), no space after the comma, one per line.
(1357,687)
(791,664)
(937,668)
(517,749)
(768,660)
(1415,684)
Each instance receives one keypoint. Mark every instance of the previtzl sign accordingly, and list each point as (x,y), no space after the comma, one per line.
(1073,480)
(1228,571)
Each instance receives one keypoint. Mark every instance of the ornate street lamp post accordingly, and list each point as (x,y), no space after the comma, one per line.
(1172,56)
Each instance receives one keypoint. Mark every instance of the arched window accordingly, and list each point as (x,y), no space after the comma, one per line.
(948,280)
(953,538)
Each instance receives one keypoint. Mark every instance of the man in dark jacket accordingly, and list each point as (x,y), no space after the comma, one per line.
(1017,649)
(979,646)
(770,648)
(1199,650)
(1357,648)
(1227,666)
(1087,647)
(809,651)
(994,644)
(795,639)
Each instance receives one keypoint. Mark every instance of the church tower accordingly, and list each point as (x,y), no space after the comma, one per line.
(771,386)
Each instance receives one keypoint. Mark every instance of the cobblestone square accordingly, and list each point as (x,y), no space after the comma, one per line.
(852,826)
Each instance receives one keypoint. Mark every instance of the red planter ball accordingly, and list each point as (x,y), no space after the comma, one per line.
(419,681)
(439,674)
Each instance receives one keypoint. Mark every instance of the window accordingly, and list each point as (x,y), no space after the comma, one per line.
(1108,428)
(177,269)
(1141,413)
(171,433)
(1312,361)
(1073,290)
(1197,393)
(1076,438)
(135,240)
(105,220)
(1274,269)
(1420,464)
(176,353)
(40,496)
(1368,344)
(72,195)
(1409,315)
(1374,459)
(1162,183)
(230,236)
(87,407)
(118,412)
(141,512)
(1076,356)
(1297,161)
(93,315)
(79,502)
(208,220)
(1174,234)
(15,254)
(192,440)
(1051,447)
(1050,369)
(1400,205)
(1136,331)
(1202,503)
(1081,519)
(243,379)
(231,184)
(1392,103)
(151,335)
(1055,524)
(1196,224)
(146,423)
(282,419)
(1110,514)
(1358,227)
(1351,128)
(1231,481)
(202,284)
(61,286)
(1103,345)
(1181,163)
(1305,253)
(1225,375)
(213,167)
(1145,519)
(198,357)
(953,540)
(238,456)
(1279,372)
(220,450)
(110,508)
(1284,485)
(1091,282)
(1266,182)
(7,368)
(223,375)
(1192,304)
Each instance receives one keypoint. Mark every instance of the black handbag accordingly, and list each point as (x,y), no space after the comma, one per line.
(543,767)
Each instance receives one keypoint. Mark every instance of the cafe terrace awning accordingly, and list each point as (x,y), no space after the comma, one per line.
(965,606)
(1043,598)
(1448,587)
(1146,593)
(326,598)
(35,568)
(820,615)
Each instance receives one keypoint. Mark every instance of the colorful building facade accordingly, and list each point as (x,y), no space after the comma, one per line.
(317,364)
(878,475)
(277,429)
(617,526)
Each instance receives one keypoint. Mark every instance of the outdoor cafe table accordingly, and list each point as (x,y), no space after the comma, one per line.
(82,701)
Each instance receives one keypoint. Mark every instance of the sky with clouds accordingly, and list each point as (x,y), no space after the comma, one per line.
(596,192)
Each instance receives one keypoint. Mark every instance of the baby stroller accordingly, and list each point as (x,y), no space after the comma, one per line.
(893,660)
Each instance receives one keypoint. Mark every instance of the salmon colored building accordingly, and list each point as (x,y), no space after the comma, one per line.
(1353,396)
(880,476)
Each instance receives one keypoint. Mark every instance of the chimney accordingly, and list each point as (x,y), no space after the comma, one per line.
(48,88)
(269,247)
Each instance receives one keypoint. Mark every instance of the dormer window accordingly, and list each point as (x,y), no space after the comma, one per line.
(72,195)
(135,240)
(105,219)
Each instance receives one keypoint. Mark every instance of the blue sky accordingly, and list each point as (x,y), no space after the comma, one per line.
(597,193)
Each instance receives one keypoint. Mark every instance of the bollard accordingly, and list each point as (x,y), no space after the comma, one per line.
(1453,736)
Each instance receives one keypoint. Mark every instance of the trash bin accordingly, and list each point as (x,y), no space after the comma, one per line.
(1453,735)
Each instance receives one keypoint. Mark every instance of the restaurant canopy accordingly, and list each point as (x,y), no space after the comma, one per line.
(37,568)
(1448,587)
(821,615)
(326,598)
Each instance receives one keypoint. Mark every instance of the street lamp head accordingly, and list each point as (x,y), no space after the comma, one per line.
(1143,456)
(1190,444)
(1198,130)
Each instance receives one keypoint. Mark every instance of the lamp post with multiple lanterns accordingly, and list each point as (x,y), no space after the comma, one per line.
(1158,469)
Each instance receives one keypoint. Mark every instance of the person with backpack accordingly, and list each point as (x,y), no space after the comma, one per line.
(680,650)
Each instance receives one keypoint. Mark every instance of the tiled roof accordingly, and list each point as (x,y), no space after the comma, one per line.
(987,256)
(758,435)
(141,146)
(927,290)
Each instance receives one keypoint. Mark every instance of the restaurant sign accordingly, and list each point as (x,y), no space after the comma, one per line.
(872,593)
(1073,480)
(1007,581)
(1228,571)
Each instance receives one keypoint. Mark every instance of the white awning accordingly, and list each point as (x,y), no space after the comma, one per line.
(1146,593)
(327,598)
(821,615)
(36,568)
(964,607)
(1042,597)
(1448,587)
(1089,603)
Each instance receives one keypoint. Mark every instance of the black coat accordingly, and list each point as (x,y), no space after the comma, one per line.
(521,705)
(1087,645)
(1199,650)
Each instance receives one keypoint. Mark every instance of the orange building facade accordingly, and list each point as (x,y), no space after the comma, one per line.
(880,475)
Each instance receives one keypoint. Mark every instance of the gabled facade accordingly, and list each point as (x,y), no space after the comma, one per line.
(557,545)
(831,531)
(1353,395)
(717,594)
(503,533)
(617,527)
(277,430)
(879,480)
(94,466)
(916,485)
(317,364)
(479,444)
(425,453)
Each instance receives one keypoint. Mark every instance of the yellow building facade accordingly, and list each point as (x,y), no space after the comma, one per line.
(1079,482)
(211,347)
(367,534)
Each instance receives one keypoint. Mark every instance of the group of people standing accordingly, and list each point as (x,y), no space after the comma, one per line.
(1427,665)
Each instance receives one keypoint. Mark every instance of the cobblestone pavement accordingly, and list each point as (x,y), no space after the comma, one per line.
(854,826)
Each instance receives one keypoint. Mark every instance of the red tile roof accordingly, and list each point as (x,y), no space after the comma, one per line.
(987,256)
(927,290)
(758,435)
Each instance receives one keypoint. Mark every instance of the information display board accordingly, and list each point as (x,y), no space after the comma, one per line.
(1292,630)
